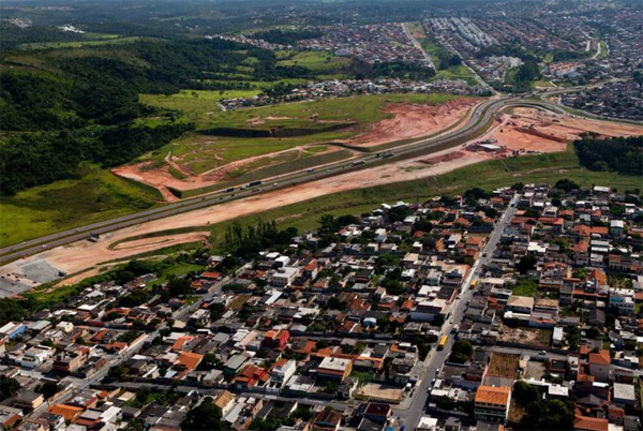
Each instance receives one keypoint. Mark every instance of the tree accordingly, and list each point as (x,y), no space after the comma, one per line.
(558,416)
(573,337)
(143,394)
(566,185)
(445,403)
(525,394)
(461,351)
(526,264)
(593,333)
(204,417)
(334,303)
(49,389)
(216,311)
(8,387)
(179,286)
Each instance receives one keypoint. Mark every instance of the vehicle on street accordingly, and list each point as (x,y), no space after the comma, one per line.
(443,342)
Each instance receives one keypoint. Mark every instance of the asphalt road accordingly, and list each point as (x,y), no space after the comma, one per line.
(480,117)
(410,417)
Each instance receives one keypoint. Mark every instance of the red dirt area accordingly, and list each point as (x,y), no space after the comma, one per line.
(160,178)
(413,121)
(528,131)
(443,158)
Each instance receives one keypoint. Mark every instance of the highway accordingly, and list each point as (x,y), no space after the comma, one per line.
(477,122)
(410,417)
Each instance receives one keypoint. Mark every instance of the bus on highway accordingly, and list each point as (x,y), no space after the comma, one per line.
(443,342)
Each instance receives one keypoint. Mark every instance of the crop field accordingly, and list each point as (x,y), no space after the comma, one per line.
(45,209)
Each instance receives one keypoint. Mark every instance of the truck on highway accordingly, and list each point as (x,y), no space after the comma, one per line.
(231,189)
(358,162)
(443,342)
(254,183)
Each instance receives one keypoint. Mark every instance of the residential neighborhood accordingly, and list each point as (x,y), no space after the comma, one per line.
(461,312)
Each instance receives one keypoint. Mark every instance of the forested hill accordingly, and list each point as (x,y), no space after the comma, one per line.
(623,155)
(60,107)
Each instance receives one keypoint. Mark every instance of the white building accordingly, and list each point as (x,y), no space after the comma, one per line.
(281,373)
(284,276)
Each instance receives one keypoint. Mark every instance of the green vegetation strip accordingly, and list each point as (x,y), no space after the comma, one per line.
(271,171)
(487,175)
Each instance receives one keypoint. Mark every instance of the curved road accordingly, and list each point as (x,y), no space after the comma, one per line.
(478,120)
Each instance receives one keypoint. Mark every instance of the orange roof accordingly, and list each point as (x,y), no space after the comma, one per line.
(407,305)
(12,421)
(474,241)
(600,358)
(582,246)
(493,395)
(70,413)
(586,423)
(598,275)
(582,230)
(181,341)
(308,347)
(189,359)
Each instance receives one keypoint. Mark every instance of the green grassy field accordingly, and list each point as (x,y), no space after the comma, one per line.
(543,83)
(308,122)
(198,106)
(457,72)
(453,72)
(415,28)
(97,196)
(317,61)
(362,109)
(83,43)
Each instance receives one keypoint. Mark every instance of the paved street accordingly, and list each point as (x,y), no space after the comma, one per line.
(410,417)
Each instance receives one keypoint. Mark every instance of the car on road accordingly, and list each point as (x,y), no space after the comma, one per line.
(542,353)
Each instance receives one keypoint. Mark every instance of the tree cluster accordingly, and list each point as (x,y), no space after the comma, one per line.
(622,155)
(542,414)
(246,243)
